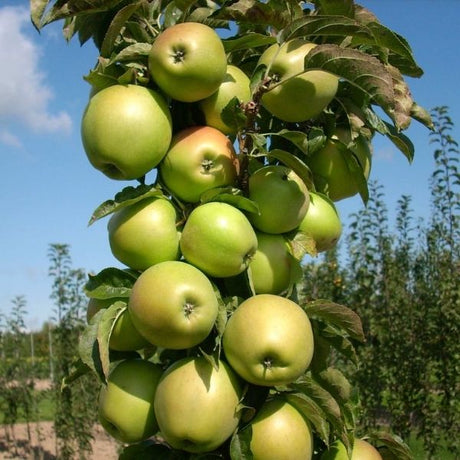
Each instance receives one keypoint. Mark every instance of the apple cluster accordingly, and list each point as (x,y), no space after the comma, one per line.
(211,245)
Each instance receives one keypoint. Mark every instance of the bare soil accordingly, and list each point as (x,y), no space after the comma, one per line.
(15,445)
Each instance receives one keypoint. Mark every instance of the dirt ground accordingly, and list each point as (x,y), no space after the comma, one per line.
(43,443)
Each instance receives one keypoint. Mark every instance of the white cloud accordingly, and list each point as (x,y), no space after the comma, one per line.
(385,154)
(24,96)
(9,139)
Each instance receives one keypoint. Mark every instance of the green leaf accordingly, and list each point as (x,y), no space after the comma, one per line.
(146,450)
(300,244)
(110,282)
(358,68)
(335,382)
(247,41)
(298,138)
(394,444)
(400,52)
(233,115)
(401,141)
(88,348)
(312,412)
(231,196)
(320,25)
(132,53)
(335,338)
(37,10)
(240,445)
(338,315)
(62,10)
(77,369)
(106,323)
(330,407)
(116,26)
(129,195)
(336,7)
(296,164)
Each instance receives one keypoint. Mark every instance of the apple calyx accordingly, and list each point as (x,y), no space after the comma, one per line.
(207,165)
(178,56)
(188,309)
(268,363)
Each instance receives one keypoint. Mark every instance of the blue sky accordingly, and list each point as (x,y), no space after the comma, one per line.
(48,189)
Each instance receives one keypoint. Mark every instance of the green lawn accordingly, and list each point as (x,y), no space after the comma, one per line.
(45,408)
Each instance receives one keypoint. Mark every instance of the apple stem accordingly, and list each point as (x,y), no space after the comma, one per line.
(245,142)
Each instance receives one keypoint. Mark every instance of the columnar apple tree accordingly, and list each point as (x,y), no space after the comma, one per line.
(239,124)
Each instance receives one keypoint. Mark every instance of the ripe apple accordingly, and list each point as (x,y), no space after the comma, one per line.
(322,222)
(126,131)
(144,233)
(197,405)
(124,336)
(362,450)
(330,168)
(200,158)
(235,84)
(218,239)
(268,340)
(173,305)
(273,265)
(279,431)
(188,61)
(125,405)
(282,197)
(296,95)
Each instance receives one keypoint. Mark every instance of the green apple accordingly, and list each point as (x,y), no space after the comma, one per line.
(200,158)
(126,402)
(197,404)
(361,450)
(297,94)
(330,165)
(282,198)
(173,305)
(218,239)
(144,233)
(124,336)
(322,222)
(268,340)
(273,266)
(279,431)
(188,61)
(126,131)
(235,84)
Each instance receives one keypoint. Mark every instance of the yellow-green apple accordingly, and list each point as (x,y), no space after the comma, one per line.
(144,233)
(218,239)
(197,404)
(296,94)
(173,305)
(268,340)
(126,402)
(235,84)
(199,159)
(322,222)
(340,164)
(124,336)
(273,267)
(126,131)
(362,450)
(280,431)
(188,61)
(282,198)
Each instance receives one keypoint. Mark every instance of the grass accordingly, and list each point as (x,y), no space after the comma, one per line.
(45,408)
(416,446)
